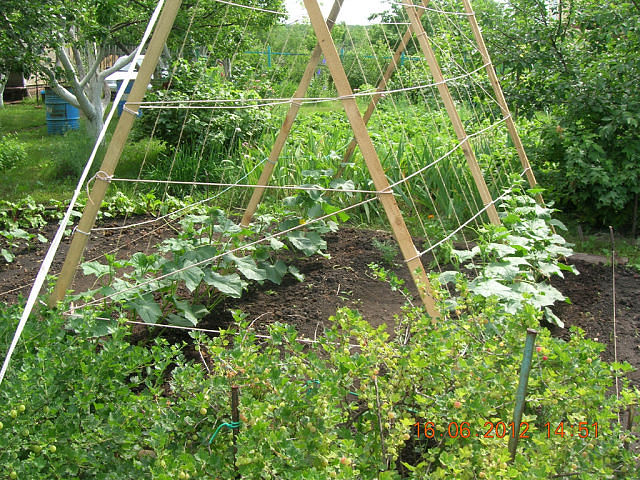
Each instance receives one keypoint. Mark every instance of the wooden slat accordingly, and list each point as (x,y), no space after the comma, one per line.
(285,130)
(495,83)
(114,150)
(371,158)
(454,116)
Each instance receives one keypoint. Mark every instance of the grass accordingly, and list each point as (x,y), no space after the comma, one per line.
(600,244)
(48,172)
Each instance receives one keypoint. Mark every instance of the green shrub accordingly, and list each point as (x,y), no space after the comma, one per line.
(12,152)
(78,149)
(207,133)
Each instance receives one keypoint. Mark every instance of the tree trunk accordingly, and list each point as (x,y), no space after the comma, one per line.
(95,93)
(3,83)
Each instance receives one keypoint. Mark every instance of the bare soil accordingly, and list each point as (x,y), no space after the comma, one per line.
(345,280)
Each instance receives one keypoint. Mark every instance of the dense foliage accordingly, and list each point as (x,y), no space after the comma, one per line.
(577,62)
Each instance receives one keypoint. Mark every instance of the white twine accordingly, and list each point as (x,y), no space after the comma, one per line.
(435,10)
(248,7)
(262,102)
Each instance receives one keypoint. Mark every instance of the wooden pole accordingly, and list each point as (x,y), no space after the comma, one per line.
(504,107)
(112,156)
(371,158)
(382,86)
(285,130)
(450,106)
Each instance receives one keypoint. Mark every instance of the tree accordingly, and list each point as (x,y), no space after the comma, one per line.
(68,41)
(577,61)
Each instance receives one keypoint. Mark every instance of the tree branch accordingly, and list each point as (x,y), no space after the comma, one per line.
(94,68)
(80,100)
(121,62)
(78,59)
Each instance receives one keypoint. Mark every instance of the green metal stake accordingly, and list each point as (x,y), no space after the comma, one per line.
(521,394)
(402,57)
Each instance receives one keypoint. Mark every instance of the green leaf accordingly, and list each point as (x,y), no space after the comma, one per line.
(296,273)
(277,244)
(501,249)
(308,243)
(8,256)
(549,269)
(192,276)
(95,268)
(465,255)
(230,285)
(448,277)
(490,287)
(146,307)
(553,318)
(191,314)
(276,272)
(247,267)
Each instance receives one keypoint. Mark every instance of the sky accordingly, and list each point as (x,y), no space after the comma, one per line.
(354,12)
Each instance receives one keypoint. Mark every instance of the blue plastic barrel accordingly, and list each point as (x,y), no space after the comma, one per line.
(61,115)
(125,97)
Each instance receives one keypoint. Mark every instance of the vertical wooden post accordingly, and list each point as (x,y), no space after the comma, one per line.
(112,156)
(371,158)
(285,130)
(382,86)
(235,418)
(450,106)
(497,89)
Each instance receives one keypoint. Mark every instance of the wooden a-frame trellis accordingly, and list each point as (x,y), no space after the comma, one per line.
(362,139)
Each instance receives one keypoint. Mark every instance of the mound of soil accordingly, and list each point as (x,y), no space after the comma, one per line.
(344,279)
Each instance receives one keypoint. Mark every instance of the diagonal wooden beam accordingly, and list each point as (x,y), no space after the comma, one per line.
(285,130)
(112,155)
(371,158)
(495,83)
(450,106)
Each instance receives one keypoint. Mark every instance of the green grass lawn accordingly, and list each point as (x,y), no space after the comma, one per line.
(51,168)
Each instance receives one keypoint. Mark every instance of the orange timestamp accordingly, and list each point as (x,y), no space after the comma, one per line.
(429,430)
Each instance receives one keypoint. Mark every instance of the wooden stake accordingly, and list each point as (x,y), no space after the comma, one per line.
(450,106)
(112,156)
(285,130)
(382,86)
(235,418)
(370,156)
(497,89)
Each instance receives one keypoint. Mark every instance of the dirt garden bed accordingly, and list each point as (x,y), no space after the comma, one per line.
(345,280)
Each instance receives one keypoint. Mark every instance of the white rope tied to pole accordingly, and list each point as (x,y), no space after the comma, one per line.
(55,243)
